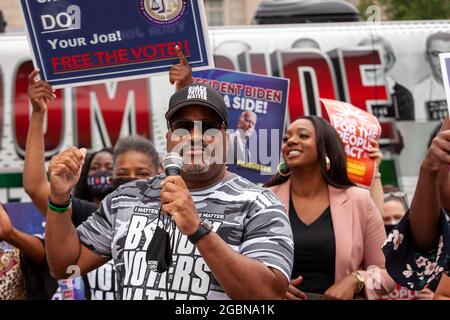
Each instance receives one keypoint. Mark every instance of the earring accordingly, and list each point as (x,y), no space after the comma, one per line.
(327,163)
(283,170)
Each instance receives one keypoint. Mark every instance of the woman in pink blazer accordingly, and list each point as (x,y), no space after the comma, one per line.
(338,230)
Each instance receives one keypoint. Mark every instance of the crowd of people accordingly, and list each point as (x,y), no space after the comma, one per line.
(207,233)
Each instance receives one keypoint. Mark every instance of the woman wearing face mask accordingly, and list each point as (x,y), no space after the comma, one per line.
(95,184)
(395,206)
(338,230)
(95,177)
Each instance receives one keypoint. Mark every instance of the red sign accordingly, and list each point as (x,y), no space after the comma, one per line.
(356,128)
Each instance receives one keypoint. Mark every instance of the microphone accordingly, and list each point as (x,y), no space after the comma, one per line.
(172,164)
(159,251)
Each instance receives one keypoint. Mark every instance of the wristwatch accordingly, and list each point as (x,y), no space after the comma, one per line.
(361,281)
(204,228)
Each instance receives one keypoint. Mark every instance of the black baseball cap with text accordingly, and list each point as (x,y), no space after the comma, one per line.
(200,95)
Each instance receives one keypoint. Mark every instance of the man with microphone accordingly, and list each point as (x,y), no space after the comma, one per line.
(228,237)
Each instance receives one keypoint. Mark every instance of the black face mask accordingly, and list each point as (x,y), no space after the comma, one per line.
(117,182)
(159,251)
(99,184)
(389,228)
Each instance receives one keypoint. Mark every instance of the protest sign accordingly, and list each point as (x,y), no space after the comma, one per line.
(445,68)
(26,218)
(257,113)
(356,128)
(79,42)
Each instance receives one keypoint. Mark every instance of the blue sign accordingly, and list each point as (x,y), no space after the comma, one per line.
(26,217)
(257,107)
(77,42)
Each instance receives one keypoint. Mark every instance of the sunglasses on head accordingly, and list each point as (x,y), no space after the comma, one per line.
(396,195)
(189,125)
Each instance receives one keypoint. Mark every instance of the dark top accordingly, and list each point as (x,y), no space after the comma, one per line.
(81,210)
(40,284)
(314,251)
(411,267)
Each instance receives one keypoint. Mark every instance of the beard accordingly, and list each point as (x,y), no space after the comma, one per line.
(198,163)
(199,156)
(195,168)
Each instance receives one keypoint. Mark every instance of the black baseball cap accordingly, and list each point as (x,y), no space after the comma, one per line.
(200,95)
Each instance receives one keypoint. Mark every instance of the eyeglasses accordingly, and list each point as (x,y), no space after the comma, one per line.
(189,125)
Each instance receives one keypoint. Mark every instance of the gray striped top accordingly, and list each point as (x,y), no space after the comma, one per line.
(250,219)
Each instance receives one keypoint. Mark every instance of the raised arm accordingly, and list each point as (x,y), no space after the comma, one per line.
(35,180)
(63,247)
(180,74)
(425,207)
(444,188)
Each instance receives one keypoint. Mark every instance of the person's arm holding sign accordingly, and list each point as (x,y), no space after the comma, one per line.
(421,239)
(376,190)
(180,74)
(444,187)
(63,247)
(34,176)
(426,205)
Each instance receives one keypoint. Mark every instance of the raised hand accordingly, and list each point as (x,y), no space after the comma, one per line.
(177,202)
(438,155)
(65,169)
(40,92)
(375,153)
(181,74)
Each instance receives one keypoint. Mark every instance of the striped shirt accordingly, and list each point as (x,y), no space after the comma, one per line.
(250,219)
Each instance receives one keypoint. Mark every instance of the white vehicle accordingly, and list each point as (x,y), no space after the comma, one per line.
(389,69)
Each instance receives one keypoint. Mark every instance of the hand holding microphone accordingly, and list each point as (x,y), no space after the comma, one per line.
(175,196)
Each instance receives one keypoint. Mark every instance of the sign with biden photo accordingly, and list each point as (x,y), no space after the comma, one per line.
(257,107)
(77,42)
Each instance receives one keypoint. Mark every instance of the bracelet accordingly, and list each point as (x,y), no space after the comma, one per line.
(361,281)
(60,208)
(377,176)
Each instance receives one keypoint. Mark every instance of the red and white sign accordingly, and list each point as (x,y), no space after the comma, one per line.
(356,128)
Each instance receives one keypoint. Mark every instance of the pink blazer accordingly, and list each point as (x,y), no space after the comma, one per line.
(359,233)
